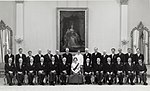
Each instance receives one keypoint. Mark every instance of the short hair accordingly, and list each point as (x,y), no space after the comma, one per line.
(20,49)
(29,52)
(113,49)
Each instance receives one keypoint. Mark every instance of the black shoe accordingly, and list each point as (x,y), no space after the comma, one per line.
(132,83)
(145,83)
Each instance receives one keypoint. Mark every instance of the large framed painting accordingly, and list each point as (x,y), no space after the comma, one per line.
(72,29)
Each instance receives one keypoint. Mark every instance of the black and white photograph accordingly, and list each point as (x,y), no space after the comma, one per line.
(75,45)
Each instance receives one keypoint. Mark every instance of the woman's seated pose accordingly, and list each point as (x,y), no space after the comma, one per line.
(120,70)
(31,70)
(130,71)
(52,69)
(76,76)
(20,72)
(87,67)
(141,70)
(98,72)
(10,71)
(41,69)
(109,69)
(64,67)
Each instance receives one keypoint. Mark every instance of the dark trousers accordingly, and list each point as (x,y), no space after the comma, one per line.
(120,77)
(99,78)
(41,77)
(9,78)
(109,78)
(30,78)
(143,77)
(131,77)
(63,78)
(87,78)
(52,78)
(20,78)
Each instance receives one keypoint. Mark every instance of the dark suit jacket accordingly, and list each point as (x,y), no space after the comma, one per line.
(128,56)
(122,56)
(131,67)
(48,58)
(98,67)
(136,58)
(141,68)
(69,58)
(52,67)
(22,69)
(104,59)
(64,67)
(119,67)
(9,68)
(30,67)
(37,58)
(41,67)
(109,68)
(23,57)
(94,58)
(28,59)
(87,68)
(85,56)
(113,59)
(7,57)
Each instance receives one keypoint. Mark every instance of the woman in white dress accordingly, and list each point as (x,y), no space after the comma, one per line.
(76,76)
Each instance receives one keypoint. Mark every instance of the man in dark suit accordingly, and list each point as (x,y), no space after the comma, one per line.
(9,71)
(29,56)
(104,57)
(99,72)
(20,55)
(141,71)
(128,55)
(38,56)
(109,69)
(86,55)
(138,56)
(9,55)
(48,56)
(68,56)
(95,55)
(31,71)
(130,71)
(121,55)
(41,69)
(64,67)
(87,68)
(52,69)
(20,71)
(113,56)
(58,62)
(120,70)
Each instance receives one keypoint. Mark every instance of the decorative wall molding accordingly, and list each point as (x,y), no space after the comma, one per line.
(124,2)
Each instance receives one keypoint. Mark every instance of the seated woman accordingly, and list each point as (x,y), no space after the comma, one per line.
(98,72)
(9,71)
(52,69)
(130,71)
(31,70)
(76,76)
(120,70)
(87,67)
(141,70)
(41,69)
(20,68)
(64,67)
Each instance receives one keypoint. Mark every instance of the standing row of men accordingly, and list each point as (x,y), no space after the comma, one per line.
(49,65)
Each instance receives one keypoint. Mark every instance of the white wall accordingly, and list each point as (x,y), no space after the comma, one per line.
(40,24)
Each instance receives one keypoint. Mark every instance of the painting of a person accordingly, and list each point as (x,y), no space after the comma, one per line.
(72,39)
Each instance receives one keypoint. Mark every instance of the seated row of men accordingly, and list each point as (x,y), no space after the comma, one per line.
(95,68)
